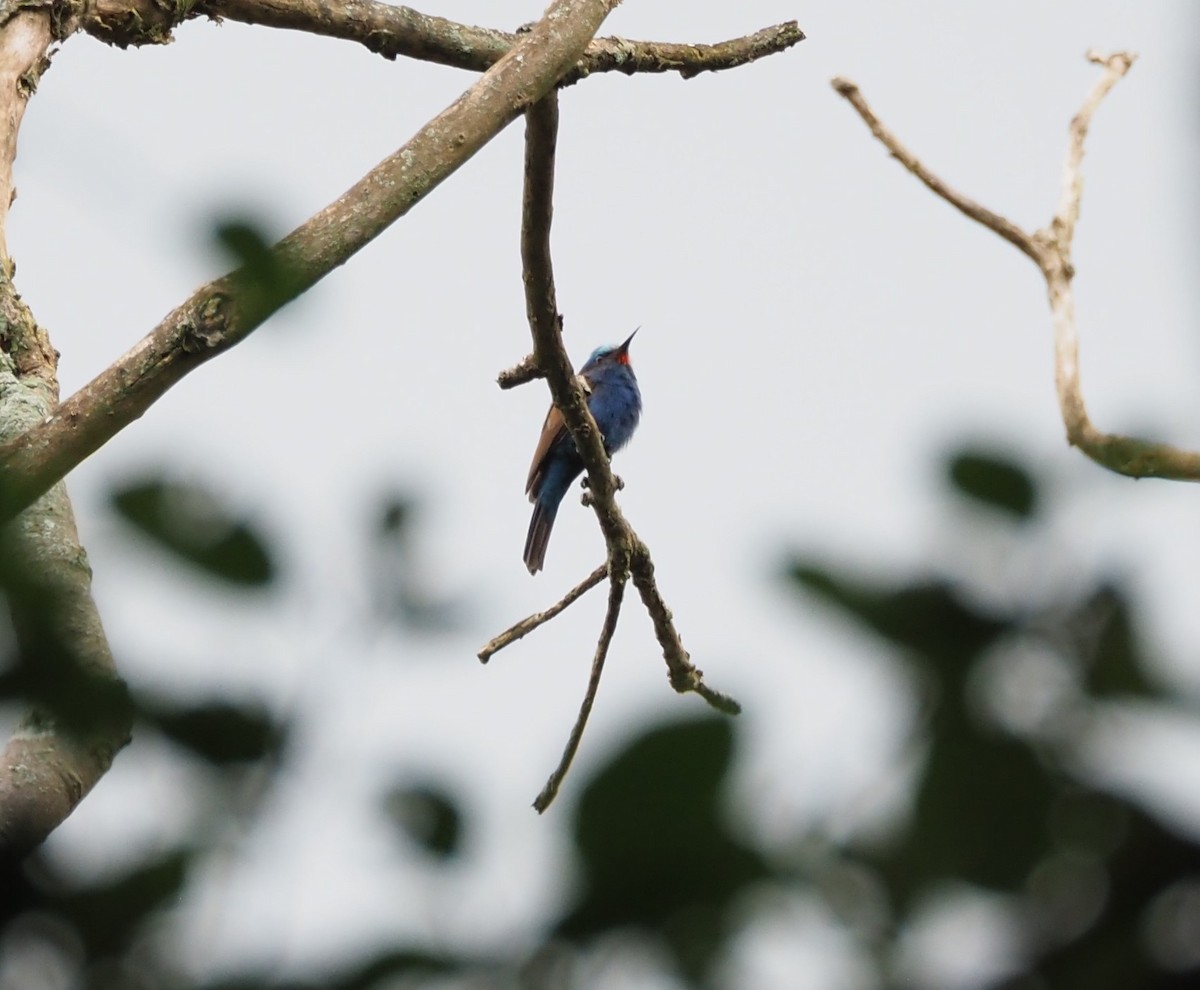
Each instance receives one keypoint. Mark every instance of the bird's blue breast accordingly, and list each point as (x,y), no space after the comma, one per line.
(615,403)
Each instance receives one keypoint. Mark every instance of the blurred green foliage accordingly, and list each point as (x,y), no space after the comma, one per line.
(1107,896)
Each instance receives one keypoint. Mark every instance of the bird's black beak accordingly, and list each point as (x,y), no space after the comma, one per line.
(624,348)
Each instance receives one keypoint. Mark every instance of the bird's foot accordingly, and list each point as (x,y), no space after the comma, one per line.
(586,485)
(586,499)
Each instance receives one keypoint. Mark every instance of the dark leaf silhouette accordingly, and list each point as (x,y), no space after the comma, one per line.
(981,815)
(1141,861)
(266,280)
(401,583)
(47,676)
(384,969)
(1111,657)
(657,852)
(995,482)
(927,617)
(219,731)
(192,523)
(428,817)
(394,516)
(108,916)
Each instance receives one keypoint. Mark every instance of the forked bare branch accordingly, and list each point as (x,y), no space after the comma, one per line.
(1050,249)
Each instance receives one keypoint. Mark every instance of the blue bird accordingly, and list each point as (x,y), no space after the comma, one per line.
(616,405)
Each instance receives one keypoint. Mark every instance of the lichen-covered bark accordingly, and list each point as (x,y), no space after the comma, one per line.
(78,718)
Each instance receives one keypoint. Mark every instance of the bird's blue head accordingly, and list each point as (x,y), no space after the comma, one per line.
(608,355)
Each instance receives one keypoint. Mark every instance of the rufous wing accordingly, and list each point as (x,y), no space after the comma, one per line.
(553,428)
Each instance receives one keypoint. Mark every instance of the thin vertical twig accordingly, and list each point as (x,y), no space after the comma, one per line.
(616,591)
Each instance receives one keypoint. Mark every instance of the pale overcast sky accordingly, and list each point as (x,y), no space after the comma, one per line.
(817,331)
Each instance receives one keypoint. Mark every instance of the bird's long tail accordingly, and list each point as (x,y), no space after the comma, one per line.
(539,534)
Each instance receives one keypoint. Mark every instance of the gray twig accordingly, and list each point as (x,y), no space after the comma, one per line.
(527,625)
(393,30)
(616,591)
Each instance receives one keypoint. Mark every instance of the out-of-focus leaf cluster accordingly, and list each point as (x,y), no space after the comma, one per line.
(1108,898)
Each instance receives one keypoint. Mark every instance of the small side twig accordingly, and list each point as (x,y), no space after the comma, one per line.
(964,204)
(682,673)
(1050,249)
(524,371)
(632,57)
(616,591)
(527,625)
(393,30)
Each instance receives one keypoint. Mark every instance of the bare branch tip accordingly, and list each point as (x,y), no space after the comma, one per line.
(524,371)
(846,87)
(527,625)
(721,702)
(1118,62)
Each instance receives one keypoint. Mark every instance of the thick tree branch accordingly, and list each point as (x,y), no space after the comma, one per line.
(393,31)
(226,311)
(24,45)
(1050,249)
(78,716)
